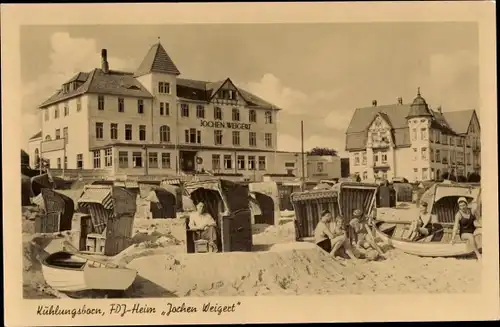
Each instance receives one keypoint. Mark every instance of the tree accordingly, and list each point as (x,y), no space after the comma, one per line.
(474,178)
(317,151)
(44,162)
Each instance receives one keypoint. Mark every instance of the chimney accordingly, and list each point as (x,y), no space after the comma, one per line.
(104,61)
(374,103)
(400,100)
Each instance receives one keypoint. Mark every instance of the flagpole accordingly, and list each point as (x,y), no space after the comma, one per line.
(302,152)
(275,113)
(176,145)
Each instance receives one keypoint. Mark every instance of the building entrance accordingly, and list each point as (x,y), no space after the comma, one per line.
(188,161)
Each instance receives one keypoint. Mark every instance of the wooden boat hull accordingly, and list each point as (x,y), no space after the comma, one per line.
(88,277)
(425,249)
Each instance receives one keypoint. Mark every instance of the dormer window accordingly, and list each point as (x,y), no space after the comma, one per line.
(66,88)
(232,95)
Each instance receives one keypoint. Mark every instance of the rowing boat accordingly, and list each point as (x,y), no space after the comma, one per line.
(437,244)
(70,272)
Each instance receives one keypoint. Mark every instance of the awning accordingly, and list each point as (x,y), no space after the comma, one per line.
(174,181)
(100,194)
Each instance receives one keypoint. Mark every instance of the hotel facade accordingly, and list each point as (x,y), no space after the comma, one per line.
(151,122)
(413,141)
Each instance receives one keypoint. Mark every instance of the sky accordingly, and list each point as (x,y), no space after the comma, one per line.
(317,73)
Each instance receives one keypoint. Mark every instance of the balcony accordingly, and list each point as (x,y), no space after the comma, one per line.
(381,165)
(444,161)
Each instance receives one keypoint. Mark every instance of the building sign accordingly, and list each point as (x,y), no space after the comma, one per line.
(222,124)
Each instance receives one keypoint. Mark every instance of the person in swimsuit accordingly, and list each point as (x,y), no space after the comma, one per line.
(465,224)
(422,226)
(362,239)
(329,238)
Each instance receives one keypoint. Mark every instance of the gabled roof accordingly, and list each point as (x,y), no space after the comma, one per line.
(79,77)
(113,83)
(157,60)
(362,117)
(36,136)
(190,89)
(459,121)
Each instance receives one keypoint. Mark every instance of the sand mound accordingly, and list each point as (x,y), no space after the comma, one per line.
(274,234)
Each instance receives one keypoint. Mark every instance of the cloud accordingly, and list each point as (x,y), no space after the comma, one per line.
(68,56)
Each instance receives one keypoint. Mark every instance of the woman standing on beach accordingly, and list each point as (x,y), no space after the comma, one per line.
(466,224)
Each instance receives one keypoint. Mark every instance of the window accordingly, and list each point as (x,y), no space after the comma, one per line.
(433,174)
(438,137)
(415,173)
(184,110)
(252,139)
(460,157)
(164,87)
(269,140)
(200,111)
(66,109)
(467,140)
(58,134)
(467,158)
(228,162)
(452,141)
(99,133)
(423,134)
(438,156)
(114,131)
(262,163)
(48,163)
(123,159)
(58,163)
(164,109)
(375,158)
(218,113)
(216,161)
(384,158)
(444,139)
(431,136)
(218,137)
(153,159)
(320,167)
(425,174)
(414,134)
(444,156)
(140,106)
(128,132)
(56,112)
(78,104)
(137,159)
(48,138)
(108,157)
(432,155)
(241,162)
(142,132)
(79,161)
(232,95)
(97,159)
(424,153)
(415,153)
(46,112)
(252,116)
(65,162)
(165,134)
(165,161)
(65,135)
(236,114)
(100,102)
(356,159)
(192,136)
(236,138)
(365,175)
(269,117)
(121,105)
(251,162)
(364,158)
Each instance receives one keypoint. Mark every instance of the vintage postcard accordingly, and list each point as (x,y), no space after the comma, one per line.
(239,163)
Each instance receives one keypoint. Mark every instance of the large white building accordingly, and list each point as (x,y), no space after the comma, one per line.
(413,141)
(151,122)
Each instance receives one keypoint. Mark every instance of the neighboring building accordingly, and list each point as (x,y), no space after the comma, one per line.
(323,167)
(152,122)
(413,141)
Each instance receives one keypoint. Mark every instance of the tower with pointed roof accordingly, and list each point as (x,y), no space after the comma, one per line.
(419,123)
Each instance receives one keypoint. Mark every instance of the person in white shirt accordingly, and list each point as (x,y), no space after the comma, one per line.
(202,222)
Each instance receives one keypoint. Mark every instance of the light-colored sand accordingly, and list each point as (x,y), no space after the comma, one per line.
(277,266)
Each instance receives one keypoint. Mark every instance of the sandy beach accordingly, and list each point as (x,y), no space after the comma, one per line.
(277,265)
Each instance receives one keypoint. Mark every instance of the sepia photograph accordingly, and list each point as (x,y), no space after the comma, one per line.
(176,161)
